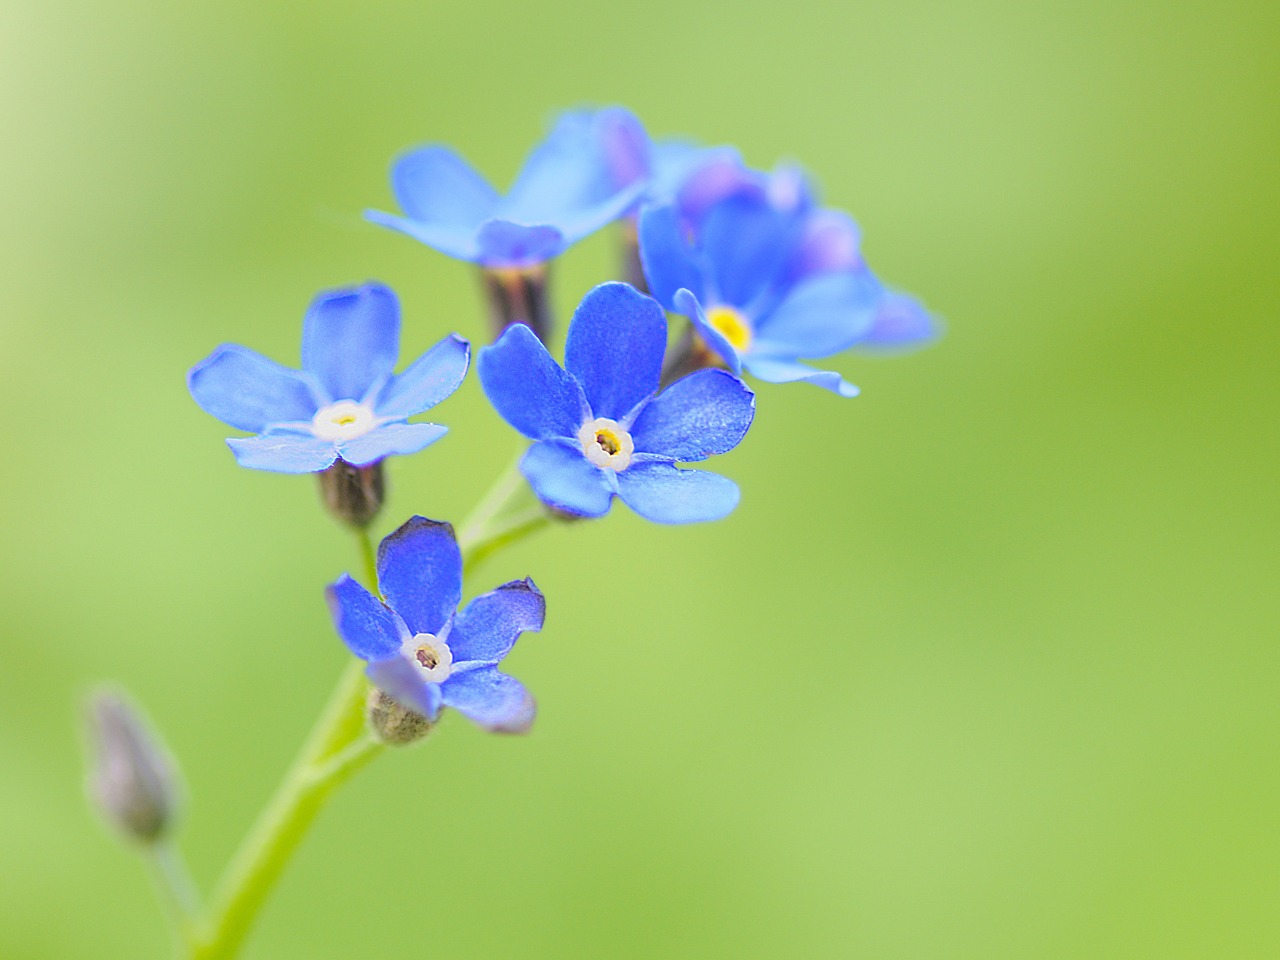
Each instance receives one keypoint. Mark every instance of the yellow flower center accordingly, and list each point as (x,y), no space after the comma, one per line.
(344,420)
(733,326)
(606,444)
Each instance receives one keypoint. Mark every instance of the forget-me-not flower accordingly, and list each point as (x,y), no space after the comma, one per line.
(600,431)
(759,289)
(345,403)
(569,188)
(421,650)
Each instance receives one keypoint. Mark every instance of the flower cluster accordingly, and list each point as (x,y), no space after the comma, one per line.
(766,276)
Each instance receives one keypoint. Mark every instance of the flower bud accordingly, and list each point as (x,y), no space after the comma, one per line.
(393,724)
(132,780)
(353,494)
(517,295)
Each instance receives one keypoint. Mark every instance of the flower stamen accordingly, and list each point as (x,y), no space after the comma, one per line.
(430,655)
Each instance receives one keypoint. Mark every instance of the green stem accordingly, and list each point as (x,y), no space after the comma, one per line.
(336,748)
(177,890)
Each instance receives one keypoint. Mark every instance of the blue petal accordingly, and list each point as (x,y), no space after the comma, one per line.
(420,573)
(746,243)
(821,316)
(563,477)
(490,624)
(625,146)
(492,699)
(829,243)
(670,264)
(775,370)
(436,186)
(528,388)
(901,321)
(673,161)
(350,339)
(719,173)
(284,452)
(427,381)
(614,348)
(570,179)
(390,439)
(244,389)
(663,493)
(705,413)
(400,680)
(501,243)
(459,242)
(687,304)
(366,625)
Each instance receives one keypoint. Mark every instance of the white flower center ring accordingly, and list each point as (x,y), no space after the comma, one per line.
(344,420)
(606,444)
(430,655)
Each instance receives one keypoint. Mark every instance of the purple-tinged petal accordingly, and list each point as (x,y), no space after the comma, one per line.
(366,625)
(900,321)
(284,452)
(244,389)
(428,380)
(420,573)
(389,439)
(719,174)
(501,243)
(434,185)
(829,242)
(663,493)
(490,698)
(351,338)
(821,316)
(670,263)
(457,242)
(625,146)
(400,680)
(775,370)
(528,388)
(490,624)
(705,413)
(616,341)
(745,241)
(687,304)
(562,476)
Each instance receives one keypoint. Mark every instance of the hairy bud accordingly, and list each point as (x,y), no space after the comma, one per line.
(352,494)
(393,724)
(132,780)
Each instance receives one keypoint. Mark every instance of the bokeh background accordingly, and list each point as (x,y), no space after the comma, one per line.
(985,665)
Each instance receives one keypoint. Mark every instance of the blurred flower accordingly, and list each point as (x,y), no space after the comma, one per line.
(765,280)
(132,779)
(422,653)
(585,174)
(345,403)
(600,430)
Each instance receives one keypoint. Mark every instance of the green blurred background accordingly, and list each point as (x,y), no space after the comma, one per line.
(985,664)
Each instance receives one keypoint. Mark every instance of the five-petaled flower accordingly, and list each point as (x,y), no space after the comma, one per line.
(768,278)
(344,402)
(421,650)
(580,178)
(598,426)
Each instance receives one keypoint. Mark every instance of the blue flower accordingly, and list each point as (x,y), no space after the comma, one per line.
(600,430)
(424,653)
(765,283)
(344,402)
(582,177)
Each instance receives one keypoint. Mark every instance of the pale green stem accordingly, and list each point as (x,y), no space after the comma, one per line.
(177,890)
(337,747)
